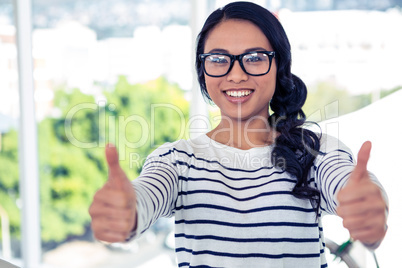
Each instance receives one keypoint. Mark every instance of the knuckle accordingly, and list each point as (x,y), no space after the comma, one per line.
(123,226)
(380,223)
(340,195)
(341,211)
(99,236)
(340,214)
(128,227)
(91,209)
(347,224)
(96,210)
(98,196)
(96,229)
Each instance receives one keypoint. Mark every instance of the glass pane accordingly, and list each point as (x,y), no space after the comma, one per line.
(9,115)
(101,75)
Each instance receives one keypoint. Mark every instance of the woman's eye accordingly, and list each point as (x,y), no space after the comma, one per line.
(220,60)
(255,58)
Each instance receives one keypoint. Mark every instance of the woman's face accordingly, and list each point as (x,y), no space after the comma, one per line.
(236,37)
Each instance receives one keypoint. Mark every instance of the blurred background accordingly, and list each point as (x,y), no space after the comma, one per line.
(122,71)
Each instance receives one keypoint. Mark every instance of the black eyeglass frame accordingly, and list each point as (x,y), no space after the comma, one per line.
(239,58)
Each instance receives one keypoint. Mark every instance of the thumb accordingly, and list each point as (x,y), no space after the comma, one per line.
(116,173)
(363,156)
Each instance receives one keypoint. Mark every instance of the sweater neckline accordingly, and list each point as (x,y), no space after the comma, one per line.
(260,149)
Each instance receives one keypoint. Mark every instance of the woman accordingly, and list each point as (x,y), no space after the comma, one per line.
(252,192)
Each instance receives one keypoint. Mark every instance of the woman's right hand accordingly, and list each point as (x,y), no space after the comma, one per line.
(113,209)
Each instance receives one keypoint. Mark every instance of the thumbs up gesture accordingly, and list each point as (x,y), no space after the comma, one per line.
(113,210)
(361,204)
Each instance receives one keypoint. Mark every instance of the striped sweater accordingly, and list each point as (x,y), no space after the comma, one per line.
(233,208)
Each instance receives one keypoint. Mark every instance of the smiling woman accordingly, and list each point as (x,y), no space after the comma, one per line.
(252,192)
(280,89)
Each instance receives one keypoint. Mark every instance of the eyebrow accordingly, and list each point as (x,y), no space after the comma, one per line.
(221,50)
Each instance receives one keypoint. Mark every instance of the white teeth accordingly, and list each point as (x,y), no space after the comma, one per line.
(238,93)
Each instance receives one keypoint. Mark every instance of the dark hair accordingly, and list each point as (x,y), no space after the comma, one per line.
(295,146)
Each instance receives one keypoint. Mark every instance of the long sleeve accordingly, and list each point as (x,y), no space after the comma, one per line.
(156,189)
(332,169)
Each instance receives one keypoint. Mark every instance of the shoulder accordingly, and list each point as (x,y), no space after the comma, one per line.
(332,148)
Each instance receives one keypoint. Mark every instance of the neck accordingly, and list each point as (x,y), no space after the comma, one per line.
(243,134)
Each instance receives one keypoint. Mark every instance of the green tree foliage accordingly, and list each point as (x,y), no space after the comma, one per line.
(385,93)
(68,177)
(9,175)
(144,117)
(136,118)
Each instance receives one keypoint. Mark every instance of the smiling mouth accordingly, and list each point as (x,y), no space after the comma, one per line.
(238,93)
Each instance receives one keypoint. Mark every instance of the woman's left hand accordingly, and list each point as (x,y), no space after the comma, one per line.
(361,203)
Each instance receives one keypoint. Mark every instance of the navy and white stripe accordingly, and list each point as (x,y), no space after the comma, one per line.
(233,208)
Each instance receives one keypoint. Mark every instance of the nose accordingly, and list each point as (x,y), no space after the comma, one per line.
(237,74)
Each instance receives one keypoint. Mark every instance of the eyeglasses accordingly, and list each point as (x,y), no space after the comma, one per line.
(253,63)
